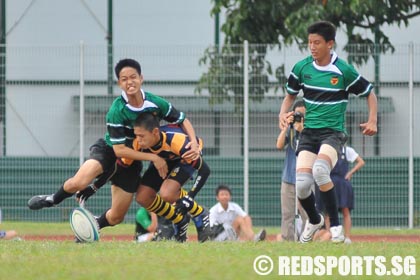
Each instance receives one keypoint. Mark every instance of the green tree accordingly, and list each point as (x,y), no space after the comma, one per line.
(272,24)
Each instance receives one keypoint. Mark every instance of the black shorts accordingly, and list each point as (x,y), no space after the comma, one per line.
(127,177)
(178,171)
(311,139)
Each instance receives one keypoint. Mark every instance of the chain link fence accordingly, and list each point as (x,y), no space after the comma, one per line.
(41,123)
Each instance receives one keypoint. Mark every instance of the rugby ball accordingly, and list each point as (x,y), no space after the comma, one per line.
(84,225)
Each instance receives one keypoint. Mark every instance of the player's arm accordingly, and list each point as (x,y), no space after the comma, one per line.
(172,115)
(293,86)
(370,127)
(359,86)
(284,111)
(193,147)
(122,151)
(116,128)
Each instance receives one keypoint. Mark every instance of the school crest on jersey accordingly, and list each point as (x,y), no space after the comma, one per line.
(334,81)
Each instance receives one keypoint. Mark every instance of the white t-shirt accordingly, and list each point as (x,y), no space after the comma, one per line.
(218,215)
(351,154)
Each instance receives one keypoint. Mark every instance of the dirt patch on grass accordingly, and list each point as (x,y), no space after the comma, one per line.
(272,238)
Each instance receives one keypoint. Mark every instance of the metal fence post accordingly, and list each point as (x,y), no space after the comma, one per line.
(81,106)
(246,128)
(411,138)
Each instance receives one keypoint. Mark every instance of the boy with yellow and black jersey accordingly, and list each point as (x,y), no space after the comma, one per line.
(171,143)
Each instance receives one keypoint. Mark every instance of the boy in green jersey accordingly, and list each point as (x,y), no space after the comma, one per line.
(326,82)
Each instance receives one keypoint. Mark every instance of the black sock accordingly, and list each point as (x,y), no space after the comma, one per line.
(102,221)
(330,202)
(309,205)
(60,195)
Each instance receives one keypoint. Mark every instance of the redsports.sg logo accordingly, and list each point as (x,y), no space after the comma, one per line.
(333,265)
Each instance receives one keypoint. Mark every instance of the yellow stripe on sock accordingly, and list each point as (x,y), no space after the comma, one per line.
(155,204)
(196,210)
(178,218)
(162,210)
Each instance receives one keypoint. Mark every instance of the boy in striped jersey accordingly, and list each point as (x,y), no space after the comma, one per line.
(170,143)
(326,82)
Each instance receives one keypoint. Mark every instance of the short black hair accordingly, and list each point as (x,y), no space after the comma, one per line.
(323,28)
(298,104)
(223,188)
(147,120)
(126,62)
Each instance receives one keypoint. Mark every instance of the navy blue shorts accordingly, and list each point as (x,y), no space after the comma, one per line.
(311,139)
(178,171)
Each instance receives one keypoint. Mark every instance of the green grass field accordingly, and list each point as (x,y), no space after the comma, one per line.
(169,260)
(34,228)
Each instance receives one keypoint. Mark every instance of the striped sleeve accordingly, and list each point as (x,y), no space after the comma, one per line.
(115,126)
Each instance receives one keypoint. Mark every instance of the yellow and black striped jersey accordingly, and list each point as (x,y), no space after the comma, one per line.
(172,144)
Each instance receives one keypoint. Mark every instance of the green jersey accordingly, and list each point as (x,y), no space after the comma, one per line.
(326,90)
(121,116)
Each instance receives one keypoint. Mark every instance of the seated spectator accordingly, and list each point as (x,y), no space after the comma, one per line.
(236,222)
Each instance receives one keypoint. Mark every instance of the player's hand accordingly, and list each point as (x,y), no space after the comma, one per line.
(193,152)
(285,120)
(83,195)
(161,166)
(183,205)
(369,128)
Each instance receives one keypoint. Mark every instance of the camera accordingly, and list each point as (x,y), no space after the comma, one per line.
(297,117)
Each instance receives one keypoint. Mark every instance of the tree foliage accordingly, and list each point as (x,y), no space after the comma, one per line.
(283,22)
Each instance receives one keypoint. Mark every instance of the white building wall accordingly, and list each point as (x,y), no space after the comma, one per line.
(168,37)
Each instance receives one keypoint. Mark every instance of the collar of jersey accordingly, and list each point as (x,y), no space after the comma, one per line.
(159,146)
(331,66)
(125,98)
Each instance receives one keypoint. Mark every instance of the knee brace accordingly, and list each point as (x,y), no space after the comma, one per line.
(321,171)
(304,182)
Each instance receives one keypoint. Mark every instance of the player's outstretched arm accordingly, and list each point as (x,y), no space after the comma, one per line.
(125,152)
